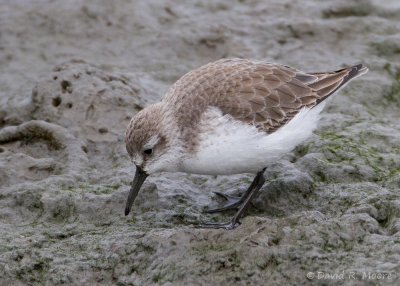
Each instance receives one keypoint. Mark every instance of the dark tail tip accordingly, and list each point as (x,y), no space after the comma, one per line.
(357,70)
(353,72)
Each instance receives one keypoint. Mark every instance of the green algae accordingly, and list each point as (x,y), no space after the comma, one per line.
(343,149)
(94,189)
(392,94)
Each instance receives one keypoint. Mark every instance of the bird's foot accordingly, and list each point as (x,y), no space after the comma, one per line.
(233,202)
(227,225)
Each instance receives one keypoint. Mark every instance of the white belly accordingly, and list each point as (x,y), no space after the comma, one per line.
(232,147)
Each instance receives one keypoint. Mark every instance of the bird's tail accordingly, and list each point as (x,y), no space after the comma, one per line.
(327,83)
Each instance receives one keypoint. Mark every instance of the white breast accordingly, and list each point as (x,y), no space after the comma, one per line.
(229,146)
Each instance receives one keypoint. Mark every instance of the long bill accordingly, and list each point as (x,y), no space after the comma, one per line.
(140,177)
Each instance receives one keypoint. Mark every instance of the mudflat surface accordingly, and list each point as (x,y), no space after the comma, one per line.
(74,72)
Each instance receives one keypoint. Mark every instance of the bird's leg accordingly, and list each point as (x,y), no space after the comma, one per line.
(256,186)
(234,202)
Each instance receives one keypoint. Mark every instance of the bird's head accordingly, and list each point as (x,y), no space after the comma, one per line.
(151,146)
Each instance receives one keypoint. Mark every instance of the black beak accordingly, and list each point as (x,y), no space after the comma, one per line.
(140,177)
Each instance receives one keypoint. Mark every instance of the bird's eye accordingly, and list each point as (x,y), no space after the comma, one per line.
(148,151)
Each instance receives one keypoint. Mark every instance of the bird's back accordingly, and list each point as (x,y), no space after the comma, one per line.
(261,94)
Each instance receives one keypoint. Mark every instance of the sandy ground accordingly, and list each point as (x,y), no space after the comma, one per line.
(74,72)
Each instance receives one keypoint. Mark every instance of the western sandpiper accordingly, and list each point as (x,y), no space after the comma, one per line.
(228,117)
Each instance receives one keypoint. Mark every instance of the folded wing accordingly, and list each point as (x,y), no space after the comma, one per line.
(269,95)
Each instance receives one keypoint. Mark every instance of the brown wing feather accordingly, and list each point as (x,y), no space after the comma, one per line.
(262,94)
(272,102)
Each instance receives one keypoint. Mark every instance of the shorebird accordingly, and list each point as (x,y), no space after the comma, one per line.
(228,117)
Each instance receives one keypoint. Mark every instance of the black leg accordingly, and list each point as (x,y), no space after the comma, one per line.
(256,186)
(235,202)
